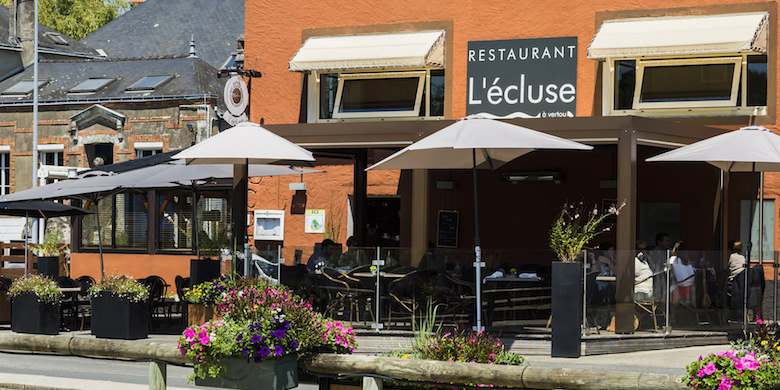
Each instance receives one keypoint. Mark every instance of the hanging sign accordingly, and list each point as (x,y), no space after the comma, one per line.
(523,77)
(315,221)
(236,98)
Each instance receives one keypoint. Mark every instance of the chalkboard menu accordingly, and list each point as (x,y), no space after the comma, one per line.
(447,229)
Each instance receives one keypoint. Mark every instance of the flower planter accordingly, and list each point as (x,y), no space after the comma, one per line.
(28,315)
(115,317)
(272,374)
(49,265)
(204,270)
(198,314)
(5,307)
(566,309)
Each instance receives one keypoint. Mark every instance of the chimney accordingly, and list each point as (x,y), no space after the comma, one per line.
(21,27)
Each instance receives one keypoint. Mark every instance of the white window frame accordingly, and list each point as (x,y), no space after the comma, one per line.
(5,163)
(421,76)
(680,108)
(140,147)
(735,87)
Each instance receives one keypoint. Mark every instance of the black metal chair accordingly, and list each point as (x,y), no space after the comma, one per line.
(69,305)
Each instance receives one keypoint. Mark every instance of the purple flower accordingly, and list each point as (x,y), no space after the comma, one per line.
(245,351)
(278,350)
(294,344)
(255,338)
(279,334)
(265,351)
(239,337)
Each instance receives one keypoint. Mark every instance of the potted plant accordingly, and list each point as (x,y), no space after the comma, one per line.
(35,305)
(5,299)
(202,299)
(49,254)
(573,228)
(256,343)
(120,308)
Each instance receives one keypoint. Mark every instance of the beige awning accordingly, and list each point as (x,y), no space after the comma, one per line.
(728,33)
(403,49)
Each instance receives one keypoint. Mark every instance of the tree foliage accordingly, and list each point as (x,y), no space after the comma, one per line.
(77,18)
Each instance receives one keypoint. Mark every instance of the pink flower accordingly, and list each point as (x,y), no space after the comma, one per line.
(759,320)
(189,334)
(707,370)
(725,384)
(204,340)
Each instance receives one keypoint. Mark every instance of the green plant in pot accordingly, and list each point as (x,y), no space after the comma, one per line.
(35,305)
(49,253)
(119,308)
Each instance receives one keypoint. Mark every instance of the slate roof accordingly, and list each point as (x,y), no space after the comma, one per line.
(192,77)
(45,45)
(164,27)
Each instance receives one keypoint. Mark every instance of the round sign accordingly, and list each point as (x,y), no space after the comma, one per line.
(236,95)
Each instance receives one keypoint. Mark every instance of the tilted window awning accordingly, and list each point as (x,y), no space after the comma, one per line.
(403,49)
(660,36)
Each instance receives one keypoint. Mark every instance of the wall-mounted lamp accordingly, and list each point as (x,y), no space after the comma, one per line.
(550,176)
(445,185)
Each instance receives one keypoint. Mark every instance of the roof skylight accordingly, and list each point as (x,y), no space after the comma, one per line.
(23,87)
(91,85)
(149,83)
(56,38)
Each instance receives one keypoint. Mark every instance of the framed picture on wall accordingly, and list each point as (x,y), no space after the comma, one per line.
(447,229)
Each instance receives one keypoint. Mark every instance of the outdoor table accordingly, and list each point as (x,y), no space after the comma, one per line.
(70,289)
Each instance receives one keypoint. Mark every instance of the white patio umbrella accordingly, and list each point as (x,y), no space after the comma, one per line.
(749,149)
(244,144)
(474,142)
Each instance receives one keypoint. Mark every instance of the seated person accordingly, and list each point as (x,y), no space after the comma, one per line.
(643,278)
(683,274)
(736,259)
(318,260)
(352,257)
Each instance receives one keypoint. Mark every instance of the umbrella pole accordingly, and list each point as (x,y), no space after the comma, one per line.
(195,220)
(100,240)
(478,264)
(26,222)
(749,247)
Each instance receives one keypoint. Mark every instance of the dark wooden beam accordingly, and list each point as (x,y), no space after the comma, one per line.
(626,231)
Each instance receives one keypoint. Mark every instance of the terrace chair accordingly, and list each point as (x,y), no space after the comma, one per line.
(339,293)
(85,305)
(647,303)
(180,307)
(69,305)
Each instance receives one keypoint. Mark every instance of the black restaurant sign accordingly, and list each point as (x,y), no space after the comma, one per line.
(535,77)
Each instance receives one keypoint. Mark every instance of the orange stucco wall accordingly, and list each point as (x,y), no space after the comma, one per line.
(325,190)
(136,265)
(274,32)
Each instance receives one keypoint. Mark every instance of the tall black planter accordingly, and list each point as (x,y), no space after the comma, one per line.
(114,317)
(28,315)
(204,270)
(566,309)
(50,266)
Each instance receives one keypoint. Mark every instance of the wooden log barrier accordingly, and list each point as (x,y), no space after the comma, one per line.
(422,370)
(498,375)
(90,346)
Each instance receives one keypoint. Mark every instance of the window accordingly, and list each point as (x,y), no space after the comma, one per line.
(381,95)
(22,87)
(146,149)
(752,223)
(148,83)
(51,155)
(175,224)
(56,38)
(123,221)
(91,85)
(691,65)
(5,173)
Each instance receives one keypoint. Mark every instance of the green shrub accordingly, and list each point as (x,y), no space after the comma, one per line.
(764,340)
(123,286)
(733,369)
(44,287)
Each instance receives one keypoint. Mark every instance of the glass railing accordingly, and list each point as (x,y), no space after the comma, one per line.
(387,288)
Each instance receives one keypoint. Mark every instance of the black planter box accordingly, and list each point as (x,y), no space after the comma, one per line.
(50,266)
(566,309)
(271,374)
(204,270)
(114,317)
(28,315)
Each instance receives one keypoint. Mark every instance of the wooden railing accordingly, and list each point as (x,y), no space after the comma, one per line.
(368,367)
(14,253)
